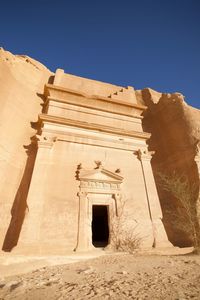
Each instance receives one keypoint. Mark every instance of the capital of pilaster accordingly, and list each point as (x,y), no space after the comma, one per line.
(46,141)
(144,154)
(82,194)
(117,196)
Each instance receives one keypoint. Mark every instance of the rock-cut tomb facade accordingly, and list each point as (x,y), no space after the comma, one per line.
(92,156)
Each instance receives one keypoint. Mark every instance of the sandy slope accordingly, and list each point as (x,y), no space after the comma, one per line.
(112,276)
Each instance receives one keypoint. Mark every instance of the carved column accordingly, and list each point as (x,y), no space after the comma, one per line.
(35,200)
(83,226)
(159,235)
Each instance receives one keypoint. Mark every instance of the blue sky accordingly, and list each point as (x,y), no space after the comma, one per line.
(146,43)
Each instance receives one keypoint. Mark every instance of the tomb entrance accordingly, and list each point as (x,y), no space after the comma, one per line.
(99,192)
(100,225)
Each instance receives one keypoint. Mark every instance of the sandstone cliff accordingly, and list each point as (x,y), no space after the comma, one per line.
(175,129)
(174,125)
(22,82)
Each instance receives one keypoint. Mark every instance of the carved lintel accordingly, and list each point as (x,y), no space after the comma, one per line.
(144,154)
(46,141)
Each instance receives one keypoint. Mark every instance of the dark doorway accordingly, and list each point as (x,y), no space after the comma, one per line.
(100,230)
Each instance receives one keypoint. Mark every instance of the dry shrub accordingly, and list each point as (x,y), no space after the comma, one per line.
(186,214)
(123,238)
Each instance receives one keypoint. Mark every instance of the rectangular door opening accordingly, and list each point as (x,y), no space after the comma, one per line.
(100,228)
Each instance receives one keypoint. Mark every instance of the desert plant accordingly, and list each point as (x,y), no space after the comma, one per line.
(185,215)
(123,238)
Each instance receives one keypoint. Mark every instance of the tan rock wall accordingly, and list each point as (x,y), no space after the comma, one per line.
(22,81)
(175,129)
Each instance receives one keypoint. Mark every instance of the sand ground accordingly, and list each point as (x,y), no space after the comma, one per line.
(101,275)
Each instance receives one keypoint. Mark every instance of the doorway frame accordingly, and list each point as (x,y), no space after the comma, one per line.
(97,187)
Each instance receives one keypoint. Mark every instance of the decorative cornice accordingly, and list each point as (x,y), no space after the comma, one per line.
(92,126)
(127,113)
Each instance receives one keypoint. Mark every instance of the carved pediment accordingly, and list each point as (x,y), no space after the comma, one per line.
(99,180)
(100,175)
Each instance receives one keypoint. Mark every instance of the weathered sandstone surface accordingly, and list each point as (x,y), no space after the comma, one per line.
(174,128)
(175,135)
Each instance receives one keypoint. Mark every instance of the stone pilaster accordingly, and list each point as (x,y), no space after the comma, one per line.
(30,234)
(117,197)
(155,213)
(83,228)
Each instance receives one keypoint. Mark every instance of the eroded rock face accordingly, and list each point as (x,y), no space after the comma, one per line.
(175,129)
(22,82)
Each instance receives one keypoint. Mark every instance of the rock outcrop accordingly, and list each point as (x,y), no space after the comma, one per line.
(174,128)
(22,82)
(175,134)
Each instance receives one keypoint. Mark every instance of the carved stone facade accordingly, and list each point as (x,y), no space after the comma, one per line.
(82,121)
(97,187)
(92,153)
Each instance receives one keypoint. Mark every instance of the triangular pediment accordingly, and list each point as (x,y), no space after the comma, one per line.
(101,175)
